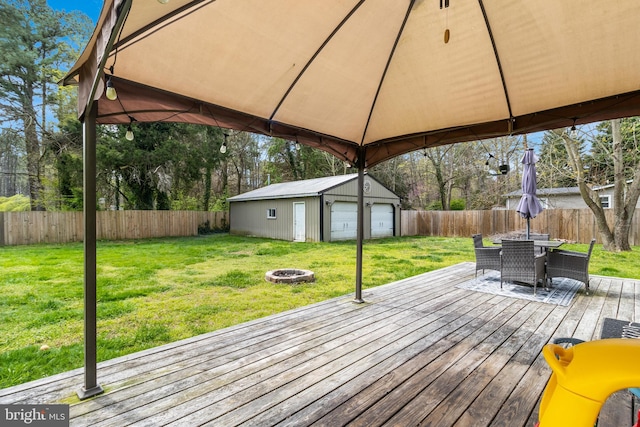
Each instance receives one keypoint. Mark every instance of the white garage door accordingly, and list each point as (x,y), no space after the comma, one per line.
(381,220)
(344,221)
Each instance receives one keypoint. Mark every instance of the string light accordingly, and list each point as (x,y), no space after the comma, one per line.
(129,135)
(112,95)
(489,158)
(163,1)
(223,147)
(573,132)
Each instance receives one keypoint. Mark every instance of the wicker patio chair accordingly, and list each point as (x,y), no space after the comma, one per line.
(571,264)
(487,257)
(520,264)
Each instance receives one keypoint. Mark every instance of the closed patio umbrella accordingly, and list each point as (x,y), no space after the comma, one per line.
(529,205)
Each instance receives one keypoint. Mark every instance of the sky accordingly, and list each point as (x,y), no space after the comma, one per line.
(90,8)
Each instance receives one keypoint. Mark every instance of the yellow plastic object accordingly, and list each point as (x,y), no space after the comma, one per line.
(584,376)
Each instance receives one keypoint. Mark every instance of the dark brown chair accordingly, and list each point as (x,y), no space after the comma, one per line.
(487,257)
(571,264)
(520,264)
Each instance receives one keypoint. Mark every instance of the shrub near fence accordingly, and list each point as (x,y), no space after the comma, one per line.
(24,228)
(576,225)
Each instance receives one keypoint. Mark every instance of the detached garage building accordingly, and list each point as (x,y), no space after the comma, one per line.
(321,209)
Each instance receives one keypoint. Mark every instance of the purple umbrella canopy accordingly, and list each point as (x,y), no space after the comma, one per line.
(529,205)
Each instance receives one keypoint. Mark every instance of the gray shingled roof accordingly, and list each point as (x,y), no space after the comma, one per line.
(547,191)
(286,190)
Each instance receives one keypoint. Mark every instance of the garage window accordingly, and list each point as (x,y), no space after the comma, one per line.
(271,213)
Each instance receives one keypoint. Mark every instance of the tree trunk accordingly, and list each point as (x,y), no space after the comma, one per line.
(625,198)
(589,197)
(33,151)
(207,188)
(622,218)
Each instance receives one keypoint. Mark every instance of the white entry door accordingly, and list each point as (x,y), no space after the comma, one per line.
(299,226)
(344,221)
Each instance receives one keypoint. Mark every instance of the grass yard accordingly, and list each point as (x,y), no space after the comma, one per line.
(152,292)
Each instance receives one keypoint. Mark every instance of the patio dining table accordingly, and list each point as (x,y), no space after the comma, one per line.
(546,244)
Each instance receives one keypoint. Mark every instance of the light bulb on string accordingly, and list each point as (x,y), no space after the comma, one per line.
(111,93)
(129,135)
(163,1)
(573,133)
(223,147)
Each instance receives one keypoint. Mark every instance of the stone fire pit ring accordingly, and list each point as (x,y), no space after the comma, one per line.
(289,275)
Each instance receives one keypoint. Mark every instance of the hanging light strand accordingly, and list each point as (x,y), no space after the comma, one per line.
(223,147)
(573,132)
(111,93)
(129,136)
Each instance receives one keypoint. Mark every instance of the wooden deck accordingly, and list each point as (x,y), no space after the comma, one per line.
(419,352)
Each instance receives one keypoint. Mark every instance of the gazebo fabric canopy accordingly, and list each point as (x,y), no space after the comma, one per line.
(365,78)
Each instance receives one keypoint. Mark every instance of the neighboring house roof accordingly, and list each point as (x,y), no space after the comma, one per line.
(286,190)
(562,191)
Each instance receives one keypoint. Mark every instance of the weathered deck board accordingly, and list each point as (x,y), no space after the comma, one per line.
(481,320)
(419,352)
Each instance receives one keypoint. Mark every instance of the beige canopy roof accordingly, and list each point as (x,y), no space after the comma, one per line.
(380,74)
(365,80)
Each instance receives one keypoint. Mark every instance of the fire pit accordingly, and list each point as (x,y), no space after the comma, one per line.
(289,275)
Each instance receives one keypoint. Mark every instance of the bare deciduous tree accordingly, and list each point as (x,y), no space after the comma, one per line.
(615,237)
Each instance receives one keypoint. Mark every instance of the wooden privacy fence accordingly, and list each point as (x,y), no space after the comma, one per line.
(568,224)
(24,228)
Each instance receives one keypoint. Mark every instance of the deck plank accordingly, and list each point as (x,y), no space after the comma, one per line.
(197,395)
(432,383)
(354,357)
(450,409)
(449,342)
(500,385)
(626,309)
(591,323)
(419,351)
(522,403)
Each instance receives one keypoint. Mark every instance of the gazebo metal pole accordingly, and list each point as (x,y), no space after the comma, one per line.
(360,227)
(91,386)
(89,115)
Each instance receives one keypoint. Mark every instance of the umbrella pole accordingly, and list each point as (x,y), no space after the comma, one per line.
(528,229)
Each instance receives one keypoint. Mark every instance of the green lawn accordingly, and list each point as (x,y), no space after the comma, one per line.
(152,292)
